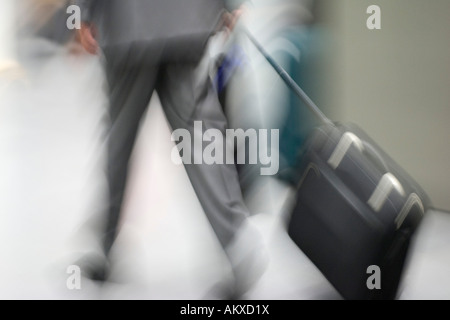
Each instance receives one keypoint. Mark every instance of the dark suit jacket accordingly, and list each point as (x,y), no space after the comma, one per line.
(178,29)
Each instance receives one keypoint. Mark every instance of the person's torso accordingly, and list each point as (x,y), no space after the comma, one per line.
(139,21)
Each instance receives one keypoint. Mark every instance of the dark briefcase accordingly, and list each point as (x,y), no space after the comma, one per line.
(356,209)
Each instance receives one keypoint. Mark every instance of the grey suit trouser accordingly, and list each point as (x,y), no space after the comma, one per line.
(186,96)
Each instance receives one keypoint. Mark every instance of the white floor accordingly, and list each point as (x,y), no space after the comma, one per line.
(52,191)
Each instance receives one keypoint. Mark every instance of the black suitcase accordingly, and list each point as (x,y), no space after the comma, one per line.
(356,209)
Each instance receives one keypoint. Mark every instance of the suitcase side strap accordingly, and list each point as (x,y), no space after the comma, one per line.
(348,139)
(388,182)
(386,185)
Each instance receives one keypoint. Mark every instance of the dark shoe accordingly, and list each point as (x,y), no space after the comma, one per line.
(94,267)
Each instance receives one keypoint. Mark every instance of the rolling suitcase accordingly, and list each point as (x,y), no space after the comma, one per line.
(356,209)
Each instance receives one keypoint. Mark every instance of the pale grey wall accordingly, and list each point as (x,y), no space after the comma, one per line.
(395,82)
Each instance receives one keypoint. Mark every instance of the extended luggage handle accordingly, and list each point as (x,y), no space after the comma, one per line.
(388,182)
(363,146)
(288,80)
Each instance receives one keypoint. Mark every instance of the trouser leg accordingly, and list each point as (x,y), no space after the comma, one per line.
(130,90)
(188,96)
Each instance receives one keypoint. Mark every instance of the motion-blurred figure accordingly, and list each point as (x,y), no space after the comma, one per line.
(254,95)
(158,45)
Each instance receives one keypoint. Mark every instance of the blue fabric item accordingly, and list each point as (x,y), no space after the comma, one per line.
(234,59)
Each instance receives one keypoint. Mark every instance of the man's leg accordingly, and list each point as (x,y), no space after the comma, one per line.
(130,89)
(187,95)
(185,99)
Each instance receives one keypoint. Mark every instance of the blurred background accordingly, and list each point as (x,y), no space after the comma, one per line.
(392,82)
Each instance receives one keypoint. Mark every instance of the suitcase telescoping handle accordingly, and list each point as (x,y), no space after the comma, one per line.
(366,148)
(288,80)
